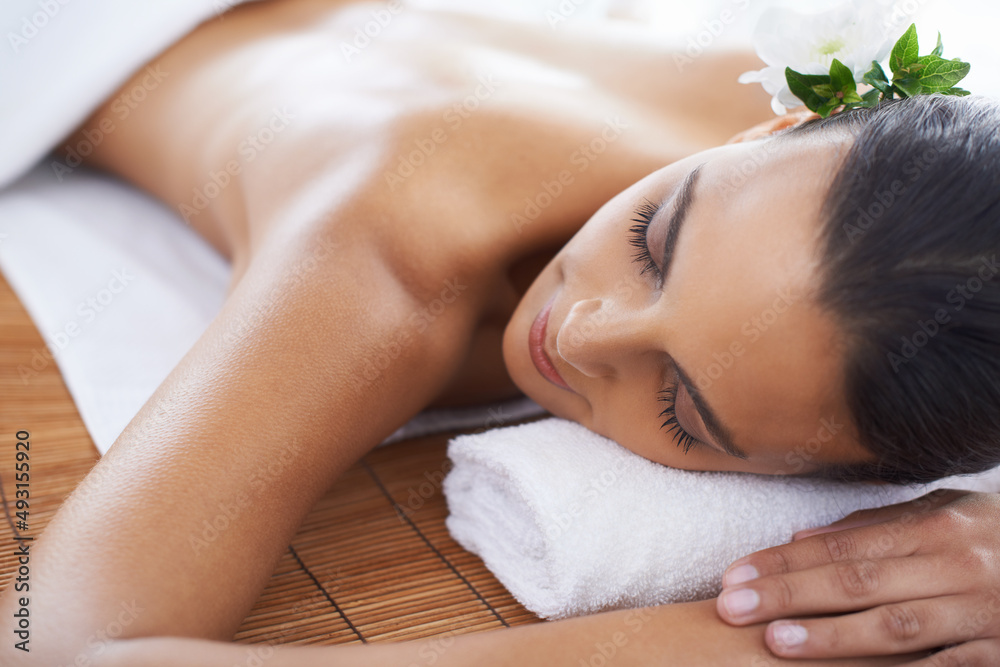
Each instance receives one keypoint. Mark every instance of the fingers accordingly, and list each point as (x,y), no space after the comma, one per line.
(866,517)
(917,575)
(836,587)
(894,535)
(980,653)
(887,630)
(858,519)
(881,540)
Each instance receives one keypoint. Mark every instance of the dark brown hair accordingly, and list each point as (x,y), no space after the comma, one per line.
(910,243)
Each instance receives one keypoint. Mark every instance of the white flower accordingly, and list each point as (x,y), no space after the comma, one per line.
(854,33)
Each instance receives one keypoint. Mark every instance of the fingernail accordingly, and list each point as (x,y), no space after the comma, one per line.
(788,635)
(740,602)
(740,574)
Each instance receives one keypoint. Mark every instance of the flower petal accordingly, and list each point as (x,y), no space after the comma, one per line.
(855,32)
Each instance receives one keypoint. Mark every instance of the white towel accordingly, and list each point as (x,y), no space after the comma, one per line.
(573,523)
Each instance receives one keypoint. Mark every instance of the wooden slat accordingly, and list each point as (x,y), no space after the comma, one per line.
(372,560)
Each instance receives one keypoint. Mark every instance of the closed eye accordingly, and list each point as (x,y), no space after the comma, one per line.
(638,237)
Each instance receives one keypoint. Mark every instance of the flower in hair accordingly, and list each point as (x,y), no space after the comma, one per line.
(819,60)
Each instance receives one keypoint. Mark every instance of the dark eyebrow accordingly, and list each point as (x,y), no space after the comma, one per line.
(715,427)
(677,217)
(684,198)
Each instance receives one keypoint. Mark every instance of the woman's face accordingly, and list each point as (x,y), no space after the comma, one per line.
(712,331)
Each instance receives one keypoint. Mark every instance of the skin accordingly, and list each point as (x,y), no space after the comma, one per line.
(917,575)
(337,263)
(616,336)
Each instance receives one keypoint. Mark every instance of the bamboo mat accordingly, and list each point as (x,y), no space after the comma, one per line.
(372,561)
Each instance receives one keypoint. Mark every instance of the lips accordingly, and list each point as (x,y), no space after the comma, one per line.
(536,347)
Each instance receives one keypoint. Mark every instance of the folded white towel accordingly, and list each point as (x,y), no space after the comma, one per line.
(573,523)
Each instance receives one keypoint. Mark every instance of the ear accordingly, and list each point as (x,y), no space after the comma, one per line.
(794,117)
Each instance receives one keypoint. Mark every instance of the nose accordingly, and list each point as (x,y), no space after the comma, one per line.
(599,337)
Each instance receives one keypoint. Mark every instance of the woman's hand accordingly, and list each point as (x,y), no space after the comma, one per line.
(918,575)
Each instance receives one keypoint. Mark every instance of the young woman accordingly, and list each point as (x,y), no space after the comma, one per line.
(517,175)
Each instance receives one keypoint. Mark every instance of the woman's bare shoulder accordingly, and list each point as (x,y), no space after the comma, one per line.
(445,115)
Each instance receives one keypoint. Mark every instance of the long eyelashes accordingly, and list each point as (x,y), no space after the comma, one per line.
(684,439)
(637,239)
(637,236)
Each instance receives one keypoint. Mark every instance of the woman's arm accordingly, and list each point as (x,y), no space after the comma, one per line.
(680,634)
(312,361)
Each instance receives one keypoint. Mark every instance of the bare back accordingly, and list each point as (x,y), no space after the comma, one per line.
(442,162)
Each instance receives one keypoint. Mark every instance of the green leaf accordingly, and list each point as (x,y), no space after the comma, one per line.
(825,109)
(851,97)
(904,52)
(841,78)
(939,49)
(875,77)
(824,90)
(958,92)
(907,87)
(939,74)
(801,85)
(870,98)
